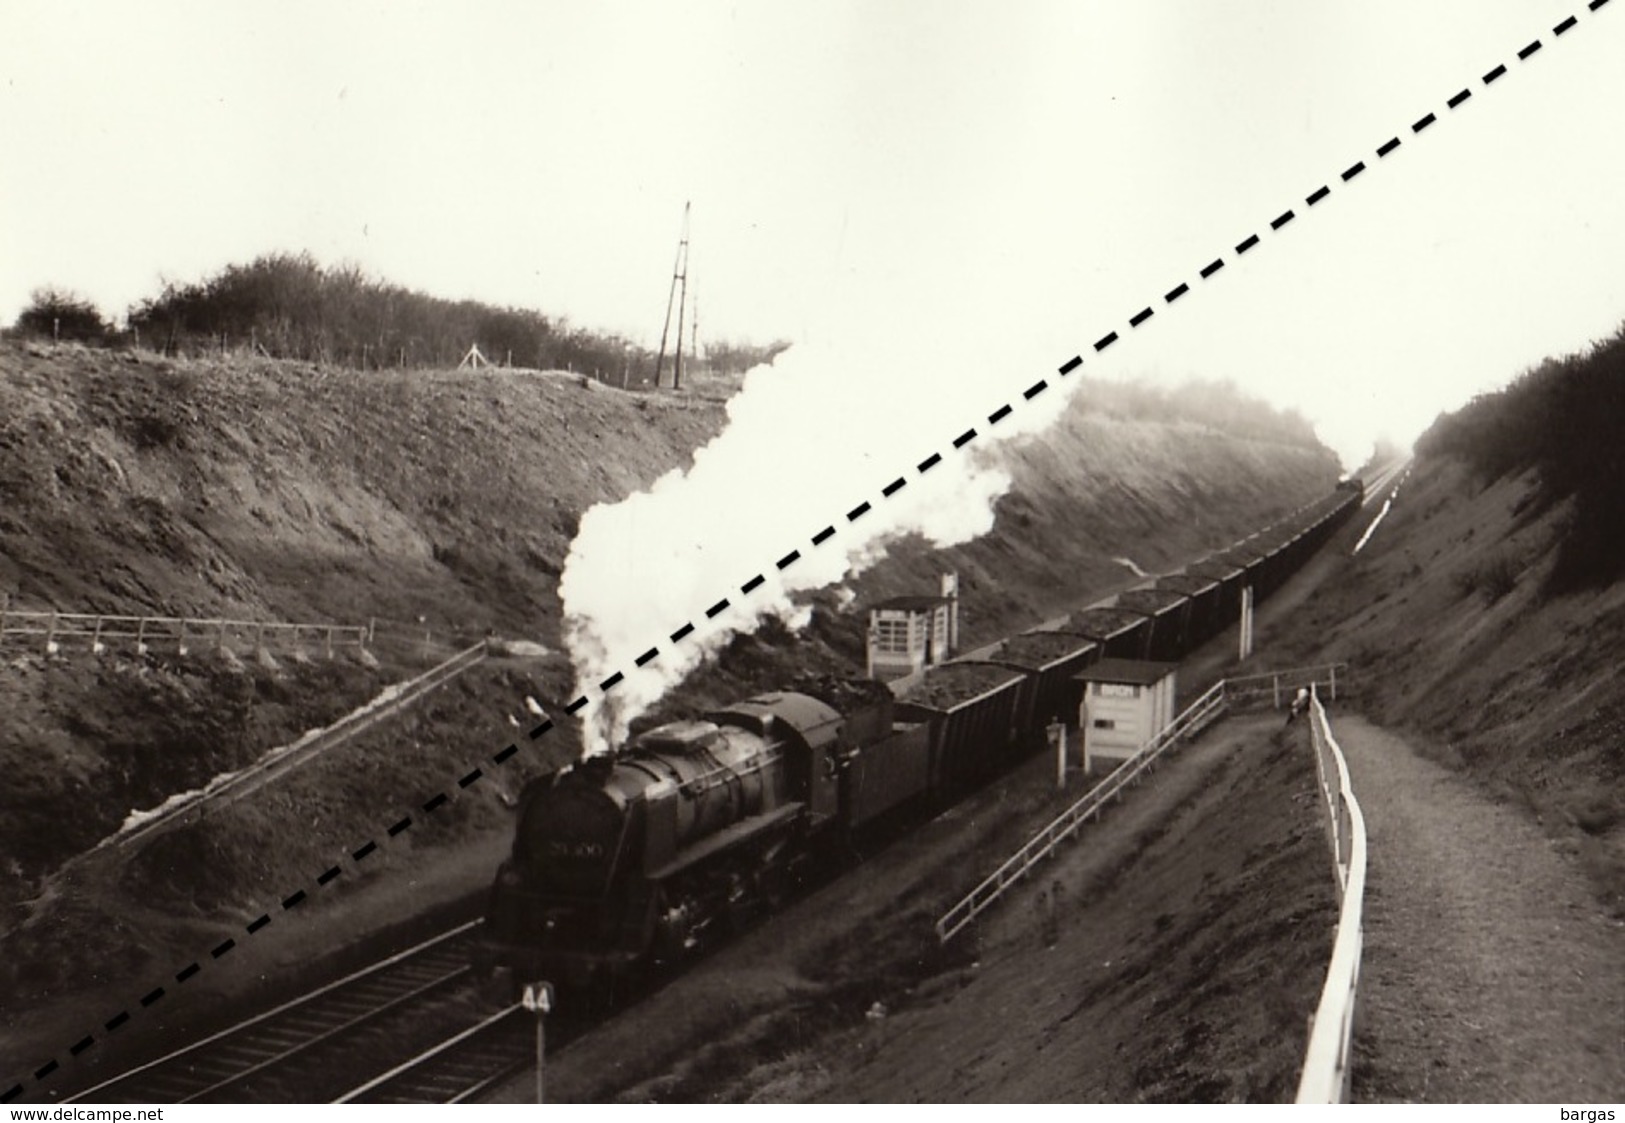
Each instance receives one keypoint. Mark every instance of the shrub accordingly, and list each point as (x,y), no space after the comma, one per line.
(1564,418)
(1492,578)
(54,313)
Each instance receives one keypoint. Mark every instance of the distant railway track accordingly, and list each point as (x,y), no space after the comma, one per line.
(387,1020)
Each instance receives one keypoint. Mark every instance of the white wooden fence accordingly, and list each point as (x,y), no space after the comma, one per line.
(1325,1077)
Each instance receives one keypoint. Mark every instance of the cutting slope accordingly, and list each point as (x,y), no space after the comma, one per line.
(436,502)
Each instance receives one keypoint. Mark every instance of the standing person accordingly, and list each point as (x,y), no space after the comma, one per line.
(1300,702)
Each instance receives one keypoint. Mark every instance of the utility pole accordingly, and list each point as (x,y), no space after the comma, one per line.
(679,285)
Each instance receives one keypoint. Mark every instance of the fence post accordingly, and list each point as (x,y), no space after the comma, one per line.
(50,634)
(1275,687)
(1334,681)
(330,643)
(96,639)
(180,640)
(141,636)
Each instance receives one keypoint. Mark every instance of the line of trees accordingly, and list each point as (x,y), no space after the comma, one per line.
(290,306)
(1220,405)
(1565,417)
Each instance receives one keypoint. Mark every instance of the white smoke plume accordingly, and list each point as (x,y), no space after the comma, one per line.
(808,437)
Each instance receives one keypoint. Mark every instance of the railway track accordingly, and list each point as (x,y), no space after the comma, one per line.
(317,1046)
(460,1068)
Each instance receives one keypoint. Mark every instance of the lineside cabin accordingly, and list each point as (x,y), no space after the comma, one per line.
(908,634)
(1126,702)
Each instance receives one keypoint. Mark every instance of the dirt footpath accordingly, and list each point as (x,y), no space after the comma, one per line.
(1489,975)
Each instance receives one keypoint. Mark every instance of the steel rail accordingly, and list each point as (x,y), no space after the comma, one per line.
(430,1054)
(290,1006)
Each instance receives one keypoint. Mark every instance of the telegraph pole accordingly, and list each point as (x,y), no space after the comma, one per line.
(679,285)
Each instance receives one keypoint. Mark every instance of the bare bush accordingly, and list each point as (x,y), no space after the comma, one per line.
(1492,578)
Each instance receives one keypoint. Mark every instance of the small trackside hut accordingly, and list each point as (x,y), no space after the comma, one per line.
(1126,702)
(908,634)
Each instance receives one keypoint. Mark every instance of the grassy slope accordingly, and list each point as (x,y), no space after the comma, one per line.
(276,490)
(1520,689)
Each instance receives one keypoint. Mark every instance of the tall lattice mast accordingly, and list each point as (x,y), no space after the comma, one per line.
(679,295)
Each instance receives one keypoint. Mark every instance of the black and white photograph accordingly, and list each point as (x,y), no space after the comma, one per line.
(1069,551)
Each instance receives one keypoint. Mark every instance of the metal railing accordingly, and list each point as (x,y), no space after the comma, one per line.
(1325,1077)
(1280,686)
(1195,718)
(227,789)
(98,630)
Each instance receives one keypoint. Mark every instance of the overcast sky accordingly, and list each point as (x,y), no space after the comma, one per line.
(1015,178)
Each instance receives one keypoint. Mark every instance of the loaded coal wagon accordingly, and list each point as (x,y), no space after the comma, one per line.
(1051,659)
(1170,613)
(1121,632)
(972,712)
(1231,578)
(1205,617)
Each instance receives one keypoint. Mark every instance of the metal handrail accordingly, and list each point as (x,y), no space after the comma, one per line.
(103,626)
(1196,717)
(226,789)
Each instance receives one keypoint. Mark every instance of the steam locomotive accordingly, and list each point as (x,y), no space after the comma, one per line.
(632,860)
